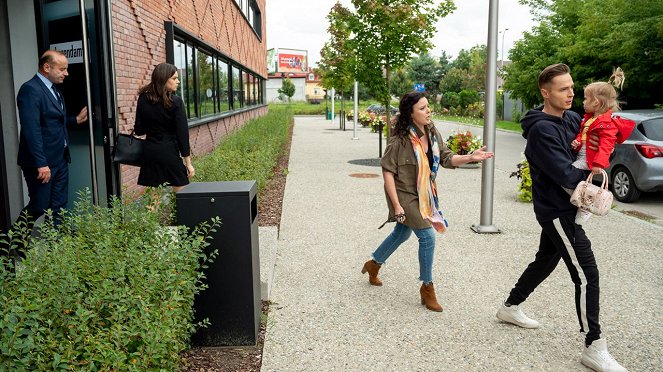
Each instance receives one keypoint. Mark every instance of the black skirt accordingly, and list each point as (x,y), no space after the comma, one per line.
(162,164)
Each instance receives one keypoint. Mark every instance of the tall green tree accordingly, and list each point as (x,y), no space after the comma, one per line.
(400,83)
(593,37)
(424,69)
(337,63)
(386,33)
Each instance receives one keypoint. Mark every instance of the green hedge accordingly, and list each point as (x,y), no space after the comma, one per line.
(250,153)
(109,290)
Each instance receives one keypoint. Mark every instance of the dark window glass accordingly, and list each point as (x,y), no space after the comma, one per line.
(653,129)
(238,94)
(206,79)
(179,49)
(224,85)
(190,83)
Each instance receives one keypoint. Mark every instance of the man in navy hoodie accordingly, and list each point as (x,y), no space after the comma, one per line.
(549,131)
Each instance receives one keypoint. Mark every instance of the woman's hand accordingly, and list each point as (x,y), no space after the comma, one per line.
(575,144)
(596,170)
(190,170)
(481,154)
(399,213)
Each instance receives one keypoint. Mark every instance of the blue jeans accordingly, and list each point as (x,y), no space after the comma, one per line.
(426,248)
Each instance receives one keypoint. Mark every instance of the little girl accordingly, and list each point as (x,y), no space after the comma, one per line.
(600,101)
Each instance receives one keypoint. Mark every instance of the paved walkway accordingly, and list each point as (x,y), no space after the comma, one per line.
(326,317)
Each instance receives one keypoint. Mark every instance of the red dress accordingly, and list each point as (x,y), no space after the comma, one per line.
(610,131)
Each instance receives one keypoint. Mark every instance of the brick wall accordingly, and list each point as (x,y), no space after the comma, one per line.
(139,45)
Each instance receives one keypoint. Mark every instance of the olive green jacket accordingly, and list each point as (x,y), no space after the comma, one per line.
(398,158)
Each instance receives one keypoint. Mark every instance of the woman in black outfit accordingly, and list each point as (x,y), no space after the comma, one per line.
(160,114)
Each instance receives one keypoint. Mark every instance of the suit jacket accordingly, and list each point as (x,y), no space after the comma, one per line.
(43,126)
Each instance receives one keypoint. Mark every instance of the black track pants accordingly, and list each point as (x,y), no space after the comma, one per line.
(562,238)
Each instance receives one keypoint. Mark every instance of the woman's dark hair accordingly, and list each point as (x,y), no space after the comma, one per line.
(405,108)
(156,89)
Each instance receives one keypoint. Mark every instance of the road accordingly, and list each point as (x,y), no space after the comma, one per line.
(509,147)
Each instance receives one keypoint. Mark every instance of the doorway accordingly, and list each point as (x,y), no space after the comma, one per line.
(81,30)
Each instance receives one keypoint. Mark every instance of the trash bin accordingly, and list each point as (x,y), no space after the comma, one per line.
(329,115)
(231,302)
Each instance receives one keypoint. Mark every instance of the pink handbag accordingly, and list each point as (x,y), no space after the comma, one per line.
(595,199)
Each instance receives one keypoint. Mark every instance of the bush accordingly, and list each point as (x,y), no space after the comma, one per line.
(249,154)
(110,289)
(525,186)
(464,142)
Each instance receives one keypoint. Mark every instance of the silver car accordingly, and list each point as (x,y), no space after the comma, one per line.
(638,163)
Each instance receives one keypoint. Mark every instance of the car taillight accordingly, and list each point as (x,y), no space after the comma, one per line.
(650,151)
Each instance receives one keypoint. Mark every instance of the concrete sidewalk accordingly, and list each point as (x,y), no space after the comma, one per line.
(326,317)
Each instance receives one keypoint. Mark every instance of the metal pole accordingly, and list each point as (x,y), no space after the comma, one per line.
(488,169)
(88,96)
(355,111)
(333,93)
(502,53)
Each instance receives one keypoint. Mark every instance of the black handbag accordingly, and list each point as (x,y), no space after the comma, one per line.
(128,149)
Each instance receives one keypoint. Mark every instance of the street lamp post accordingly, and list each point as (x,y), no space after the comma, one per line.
(502,52)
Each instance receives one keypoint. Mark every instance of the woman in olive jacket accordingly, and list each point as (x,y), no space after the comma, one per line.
(409,166)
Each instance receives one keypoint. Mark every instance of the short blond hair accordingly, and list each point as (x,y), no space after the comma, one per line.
(606,93)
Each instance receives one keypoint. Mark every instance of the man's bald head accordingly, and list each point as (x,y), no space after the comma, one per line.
(51,57)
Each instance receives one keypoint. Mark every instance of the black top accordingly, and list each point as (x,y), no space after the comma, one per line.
(166,143)
(550,158)
(158,122)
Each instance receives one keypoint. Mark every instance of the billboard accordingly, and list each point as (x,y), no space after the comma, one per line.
(292,60)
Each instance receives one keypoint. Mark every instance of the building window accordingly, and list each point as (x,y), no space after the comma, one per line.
(224,85)
(311,77)
(211,83)
(251,12)
(238,92)
(206,92)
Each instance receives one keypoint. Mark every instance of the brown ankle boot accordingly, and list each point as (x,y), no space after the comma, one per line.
(428,297)
(372,267)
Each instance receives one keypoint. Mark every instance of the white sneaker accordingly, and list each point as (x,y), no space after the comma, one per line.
(597,357)
(512,314)
(582,216)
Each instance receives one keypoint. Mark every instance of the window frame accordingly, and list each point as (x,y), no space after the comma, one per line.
(175,33)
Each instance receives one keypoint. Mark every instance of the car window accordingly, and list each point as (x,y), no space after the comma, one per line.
(653,129)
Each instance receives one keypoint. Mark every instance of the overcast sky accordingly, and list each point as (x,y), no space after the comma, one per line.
(302,25)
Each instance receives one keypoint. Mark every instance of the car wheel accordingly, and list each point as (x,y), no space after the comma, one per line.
(623,186)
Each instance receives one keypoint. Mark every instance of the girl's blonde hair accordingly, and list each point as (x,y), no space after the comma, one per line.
(605,93)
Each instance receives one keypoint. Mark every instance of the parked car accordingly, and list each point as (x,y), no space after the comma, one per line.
(379,109)
(638,163)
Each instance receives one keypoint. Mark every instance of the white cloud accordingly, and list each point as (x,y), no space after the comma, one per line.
(303,25)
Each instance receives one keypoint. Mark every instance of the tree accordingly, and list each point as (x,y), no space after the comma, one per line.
(400,83)
(424,69)
(287,88)
(453,80)
(337,63)
(592,37)
(386,33)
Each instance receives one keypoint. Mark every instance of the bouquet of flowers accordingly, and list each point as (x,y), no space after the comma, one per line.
(463,142)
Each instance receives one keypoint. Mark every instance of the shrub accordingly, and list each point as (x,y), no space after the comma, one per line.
(249,154)
(475,110)
(111,289)
(463,142)
(525,185)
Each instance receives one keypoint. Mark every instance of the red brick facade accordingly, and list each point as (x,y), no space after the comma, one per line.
(140,44)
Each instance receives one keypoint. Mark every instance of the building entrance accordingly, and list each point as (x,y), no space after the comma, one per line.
(81,30)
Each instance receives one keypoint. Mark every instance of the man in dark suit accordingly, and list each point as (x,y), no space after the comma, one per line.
(43,154)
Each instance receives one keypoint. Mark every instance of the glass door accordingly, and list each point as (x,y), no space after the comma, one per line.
(80,29)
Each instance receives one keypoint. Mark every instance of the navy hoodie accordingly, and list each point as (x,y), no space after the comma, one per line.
(549,154)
